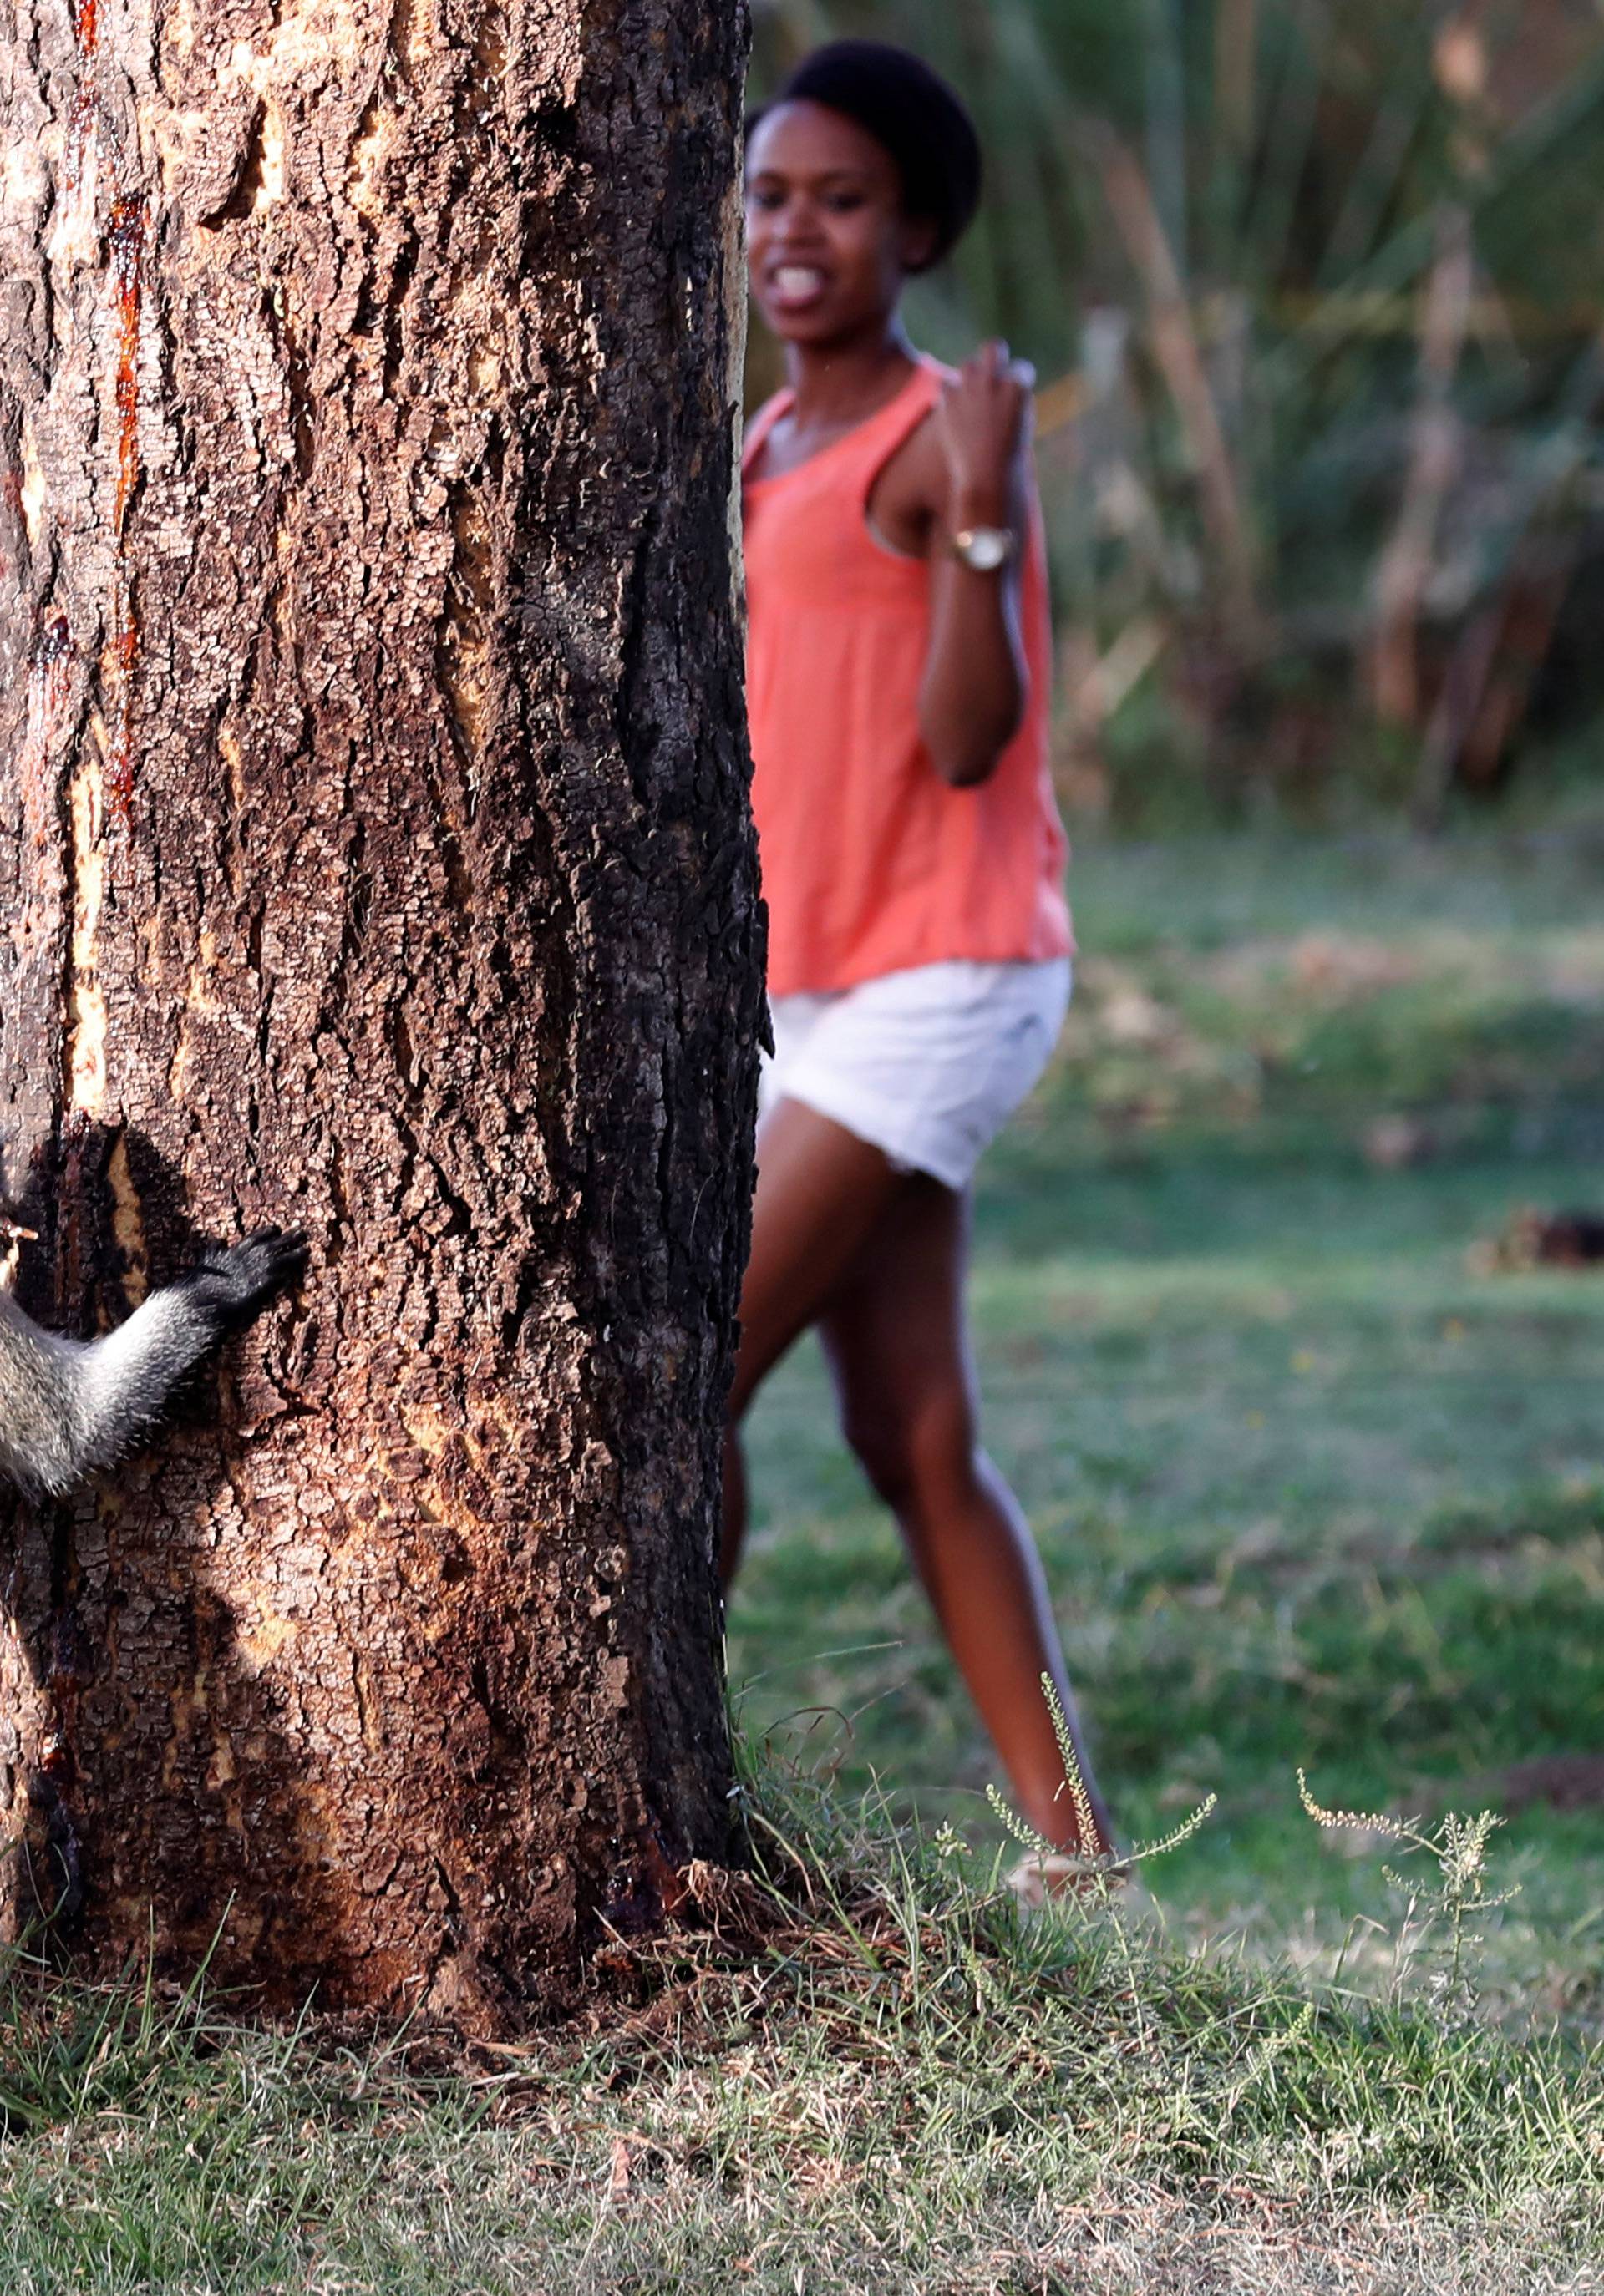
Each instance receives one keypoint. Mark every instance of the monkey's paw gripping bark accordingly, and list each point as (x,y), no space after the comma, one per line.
(235,1282)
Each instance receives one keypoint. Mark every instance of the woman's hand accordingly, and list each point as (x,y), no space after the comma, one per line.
(972,696)
(983,422)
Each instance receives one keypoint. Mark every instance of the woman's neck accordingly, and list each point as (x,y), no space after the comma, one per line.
(835,385)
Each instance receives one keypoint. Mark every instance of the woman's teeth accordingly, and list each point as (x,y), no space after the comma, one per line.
(797,282)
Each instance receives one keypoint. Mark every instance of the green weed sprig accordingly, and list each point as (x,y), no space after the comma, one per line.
(1458,1850)
(1100,1866)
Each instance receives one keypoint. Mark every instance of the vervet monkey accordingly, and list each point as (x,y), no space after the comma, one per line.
(67,1407)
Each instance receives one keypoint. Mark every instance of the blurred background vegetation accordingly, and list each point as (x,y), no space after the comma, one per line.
(1313,292)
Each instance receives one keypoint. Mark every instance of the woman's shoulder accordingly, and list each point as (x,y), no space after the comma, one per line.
(768,409)
(760,422)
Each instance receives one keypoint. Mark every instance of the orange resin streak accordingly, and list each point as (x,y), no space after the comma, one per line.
(127,239)
(125,653)
(127,253)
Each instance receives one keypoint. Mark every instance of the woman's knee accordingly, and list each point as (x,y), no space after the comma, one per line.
(926,1452)
(880,1453)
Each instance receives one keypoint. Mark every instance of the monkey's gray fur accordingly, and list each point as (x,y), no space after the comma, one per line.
(67,1407)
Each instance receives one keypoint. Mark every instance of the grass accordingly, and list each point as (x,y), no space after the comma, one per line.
(1309,1488)
(863,2074)
(1311,1491)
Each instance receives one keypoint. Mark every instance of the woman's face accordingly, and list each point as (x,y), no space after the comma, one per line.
(827,238)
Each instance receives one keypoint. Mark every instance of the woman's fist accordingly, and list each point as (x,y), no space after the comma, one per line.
(983,421)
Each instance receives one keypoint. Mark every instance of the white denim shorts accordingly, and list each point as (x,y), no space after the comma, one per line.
(927,1064)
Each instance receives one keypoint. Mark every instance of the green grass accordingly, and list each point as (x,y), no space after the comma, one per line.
(1311,1489)
(868,2076)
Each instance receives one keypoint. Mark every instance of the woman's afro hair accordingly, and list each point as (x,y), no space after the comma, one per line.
(912,113)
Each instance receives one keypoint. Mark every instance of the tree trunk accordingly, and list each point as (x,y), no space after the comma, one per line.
(374,858)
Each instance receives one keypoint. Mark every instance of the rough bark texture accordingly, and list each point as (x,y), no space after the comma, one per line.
(374,856)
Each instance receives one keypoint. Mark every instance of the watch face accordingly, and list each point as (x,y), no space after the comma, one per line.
(986,548)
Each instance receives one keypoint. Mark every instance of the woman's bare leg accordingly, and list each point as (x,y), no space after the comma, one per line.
(897,1341)
(820,1190)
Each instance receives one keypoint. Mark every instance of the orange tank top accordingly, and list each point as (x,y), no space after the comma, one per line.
(871,863)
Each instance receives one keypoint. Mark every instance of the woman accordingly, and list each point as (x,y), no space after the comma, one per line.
(912,856)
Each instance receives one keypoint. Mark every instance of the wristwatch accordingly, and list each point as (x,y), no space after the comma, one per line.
(985,548)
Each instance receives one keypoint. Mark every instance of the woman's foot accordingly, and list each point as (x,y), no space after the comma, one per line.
(1040,1877)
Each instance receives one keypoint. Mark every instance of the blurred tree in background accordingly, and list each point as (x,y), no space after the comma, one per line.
(1313,287)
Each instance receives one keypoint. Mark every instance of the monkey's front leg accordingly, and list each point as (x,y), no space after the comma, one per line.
(87,1405)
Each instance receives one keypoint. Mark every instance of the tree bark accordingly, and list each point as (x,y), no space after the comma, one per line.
(374,856)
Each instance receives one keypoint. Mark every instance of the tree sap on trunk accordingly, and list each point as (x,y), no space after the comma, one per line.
(126,238)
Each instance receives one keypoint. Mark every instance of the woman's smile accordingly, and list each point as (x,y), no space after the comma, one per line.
(796,286)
